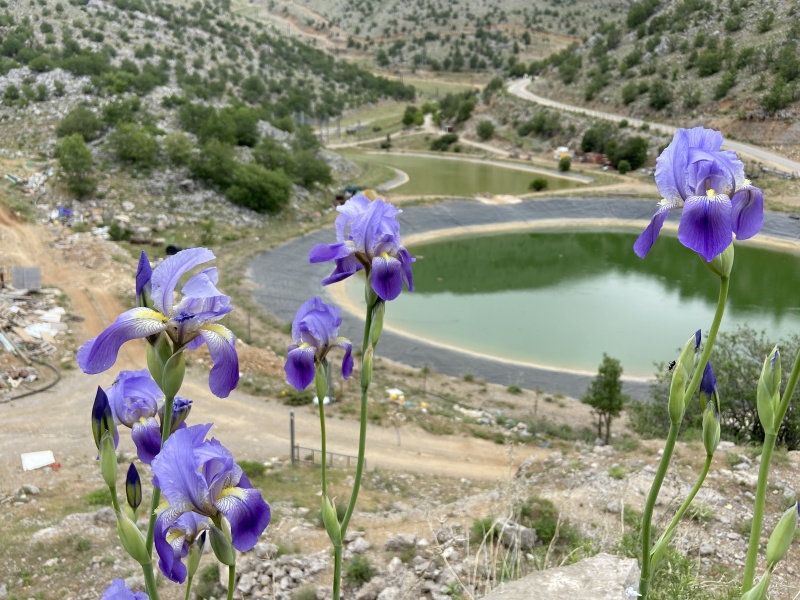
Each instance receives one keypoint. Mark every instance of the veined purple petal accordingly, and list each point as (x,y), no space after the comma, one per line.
(349,212)
(387,277)
(706,171)
(747,212)
(146,435)
(406,260)
(670,174)
(224,375)
(326,252)
(247,513)
(175,471)
(705,225)
(166,275)
(171,548)
(134,395)
(648,237)
(203,285)
(709,140)
(300,367)
(100,353)
(347,361)
(119,591)
(143,275)
(345,267)
(316,323)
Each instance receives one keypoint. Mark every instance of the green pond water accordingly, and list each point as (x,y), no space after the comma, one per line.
(432,175)
(561,299)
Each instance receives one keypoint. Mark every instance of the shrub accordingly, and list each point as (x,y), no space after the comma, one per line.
(252,468)
(178,148)
(82,121)
(273,155)
(485,130)
(134,145)
(443,143)
(118,233)
(121,111)
(630,91)
(261,190)
(623,167)
(538,184)
(76,163)
(215,163)
(310,170)
(483,528)
(564,164)
(359,571)
(660,95)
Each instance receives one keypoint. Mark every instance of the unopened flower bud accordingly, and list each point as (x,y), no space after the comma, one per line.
(133,487)
(680,378)
(722,264)
(782,535)
(768,391)
(331,521)
(181,407)
(174,370)
(132,539)
(102,418)
(366,368)
(108,461)
(376,328)
(711,429)
(195,554)
(158,354)
(220,537)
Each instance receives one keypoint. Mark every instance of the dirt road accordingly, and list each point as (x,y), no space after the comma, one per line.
(251,427)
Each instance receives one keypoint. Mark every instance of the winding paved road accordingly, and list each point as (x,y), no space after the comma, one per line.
(519,88)
(284,280)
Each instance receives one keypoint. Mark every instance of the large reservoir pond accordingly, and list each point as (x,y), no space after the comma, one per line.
(432,175)
(561,299)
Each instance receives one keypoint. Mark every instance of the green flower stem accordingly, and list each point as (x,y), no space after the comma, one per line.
(321,384)
(647,516)
(150,582)
(362,445)
(231,580)
(114,499)
(758,512)
(669,448)
(165,427)
(686,503)
(188,587)
(763,476)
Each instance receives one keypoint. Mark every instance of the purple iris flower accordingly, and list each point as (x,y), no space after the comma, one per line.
(709,184)
(119,591)
(143,275)
(368,237)
(200,476)
(134,398)
(708,384)
(173,540)
(315,330)
(189,324)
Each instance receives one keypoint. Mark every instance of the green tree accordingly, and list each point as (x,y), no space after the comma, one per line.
(178,148)
(259,189)
(485,129)
(75,160)
(564,164)
(134,145)
(605,395)
(310,170)
(660,95)
(623,167)
(80,120)
(413,116)
(273,155)
(215,163)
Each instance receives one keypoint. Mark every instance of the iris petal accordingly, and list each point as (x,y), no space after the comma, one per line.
(247,513)
(224,375)
(143,275)
(326,252)
(176,474)
(347,361)
(747,212)
(299,367)
(169,561)
(146,435)
(387,277)
(648,237)
(203,285)
(705,226)
(166,275)
(100,353)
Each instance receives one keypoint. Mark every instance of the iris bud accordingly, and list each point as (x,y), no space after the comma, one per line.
(366,368)
(108,461)
(768,391)
(376,328)
(133,487)
(711,430)
(195,554)
(220,537)
(132,539)
(782,536)
(722,264)
(759,591)
(181,407)
(157,356)
(680,377)
(331,521)
(102,417)
(174,370)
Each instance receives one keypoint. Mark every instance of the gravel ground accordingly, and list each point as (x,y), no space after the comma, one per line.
(284,280)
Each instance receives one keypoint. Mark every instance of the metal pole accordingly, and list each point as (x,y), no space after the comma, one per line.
(291,434)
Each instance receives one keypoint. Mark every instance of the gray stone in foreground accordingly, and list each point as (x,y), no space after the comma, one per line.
(601,577)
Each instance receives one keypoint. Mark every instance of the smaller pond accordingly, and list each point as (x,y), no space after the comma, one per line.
(433,175)
(562,299)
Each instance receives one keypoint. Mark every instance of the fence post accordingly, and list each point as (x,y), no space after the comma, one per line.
(291,434)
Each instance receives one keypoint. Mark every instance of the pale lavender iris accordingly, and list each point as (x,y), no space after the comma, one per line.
(693,173)
(315,330)
(172,543)
(189,323)
(134,398)
(200,476)
(119,591)
(368,237)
